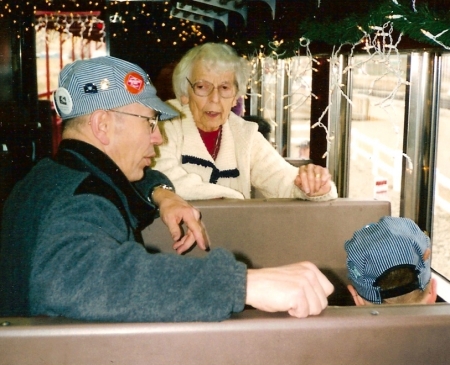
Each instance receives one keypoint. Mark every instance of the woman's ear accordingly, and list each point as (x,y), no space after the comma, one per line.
(184,100)
(356,298)
(101,126)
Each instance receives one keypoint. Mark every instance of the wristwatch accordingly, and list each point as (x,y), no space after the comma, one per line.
(162,186)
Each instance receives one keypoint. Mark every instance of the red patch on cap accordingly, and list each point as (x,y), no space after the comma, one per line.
(134,82)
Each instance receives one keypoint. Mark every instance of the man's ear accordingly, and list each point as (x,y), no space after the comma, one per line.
(432,295)
(101,125)
(356,298)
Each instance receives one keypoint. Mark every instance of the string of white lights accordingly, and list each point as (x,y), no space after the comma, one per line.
(381,48)
(434,37)
(298,70)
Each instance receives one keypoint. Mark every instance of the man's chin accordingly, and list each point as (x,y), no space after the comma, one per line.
(137,178)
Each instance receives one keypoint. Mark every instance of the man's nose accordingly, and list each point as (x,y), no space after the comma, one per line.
(156,136)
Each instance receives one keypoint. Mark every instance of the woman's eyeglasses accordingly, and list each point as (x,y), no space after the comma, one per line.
(205,88)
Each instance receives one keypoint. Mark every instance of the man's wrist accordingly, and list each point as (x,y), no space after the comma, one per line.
(161,186)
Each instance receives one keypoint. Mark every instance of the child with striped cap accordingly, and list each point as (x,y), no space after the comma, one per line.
(389,263)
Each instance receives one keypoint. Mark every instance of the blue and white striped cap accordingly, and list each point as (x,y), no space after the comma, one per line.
(105,83)
(379,247)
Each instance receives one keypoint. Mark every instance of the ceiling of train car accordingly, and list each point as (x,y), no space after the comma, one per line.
(235,19)
(247,24)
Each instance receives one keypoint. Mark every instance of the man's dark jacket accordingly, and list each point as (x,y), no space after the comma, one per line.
(70,247)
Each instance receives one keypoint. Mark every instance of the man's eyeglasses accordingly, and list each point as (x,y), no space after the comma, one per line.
(153,121)
(205,88)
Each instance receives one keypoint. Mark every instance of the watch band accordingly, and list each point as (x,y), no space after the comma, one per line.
(161,186)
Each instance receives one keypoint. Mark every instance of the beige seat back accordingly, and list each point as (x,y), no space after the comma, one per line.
(262,233)
(275,232)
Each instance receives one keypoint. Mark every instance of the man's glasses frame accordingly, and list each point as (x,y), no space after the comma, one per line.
(153,121)
(196,91)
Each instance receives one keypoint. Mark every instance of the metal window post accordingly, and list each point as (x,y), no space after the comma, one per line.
(421,116)
(339,126)
(282,118)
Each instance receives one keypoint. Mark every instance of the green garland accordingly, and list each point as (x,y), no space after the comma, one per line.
(406,19)
(413,18)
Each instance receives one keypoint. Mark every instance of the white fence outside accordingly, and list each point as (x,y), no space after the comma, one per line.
(387,162)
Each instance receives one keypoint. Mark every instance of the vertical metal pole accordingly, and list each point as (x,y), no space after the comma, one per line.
(339,126)
(426,220)
(256,89)
(422,113)
(27,55)
(47,65)
(283,124)
(287,100)
(61,42)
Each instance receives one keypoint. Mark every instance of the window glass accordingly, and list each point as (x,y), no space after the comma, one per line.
(299,71)
(61,39)
(441,216)
(268,93)
(296,103)
(58,42)
(378,99)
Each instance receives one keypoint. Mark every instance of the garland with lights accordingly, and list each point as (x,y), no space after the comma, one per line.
(417,22)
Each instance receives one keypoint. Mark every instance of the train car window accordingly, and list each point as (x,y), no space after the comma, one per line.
(61,39)
(378,97)
(299,70)
(286,103)
(269,81)
(441,213)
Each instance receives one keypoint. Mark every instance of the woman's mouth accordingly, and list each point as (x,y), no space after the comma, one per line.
(212,114)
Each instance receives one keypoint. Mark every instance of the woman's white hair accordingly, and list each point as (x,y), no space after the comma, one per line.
(218,57)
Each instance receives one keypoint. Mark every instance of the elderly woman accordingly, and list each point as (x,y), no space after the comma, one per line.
(213,153)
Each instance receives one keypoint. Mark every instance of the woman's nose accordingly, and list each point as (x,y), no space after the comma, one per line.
(215,96)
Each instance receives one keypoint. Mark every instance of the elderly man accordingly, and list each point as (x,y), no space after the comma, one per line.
(71,228)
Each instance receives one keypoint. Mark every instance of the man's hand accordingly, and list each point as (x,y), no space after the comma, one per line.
(300,289)
(174,212)
(313,180)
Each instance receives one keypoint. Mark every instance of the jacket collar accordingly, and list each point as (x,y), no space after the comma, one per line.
(82,156)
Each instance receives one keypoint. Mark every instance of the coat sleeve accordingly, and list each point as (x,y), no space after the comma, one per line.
(274,176)
(86,267)
(189,186)
(151,179)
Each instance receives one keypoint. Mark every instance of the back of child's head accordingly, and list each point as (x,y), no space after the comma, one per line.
(400,277)
(388,261)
